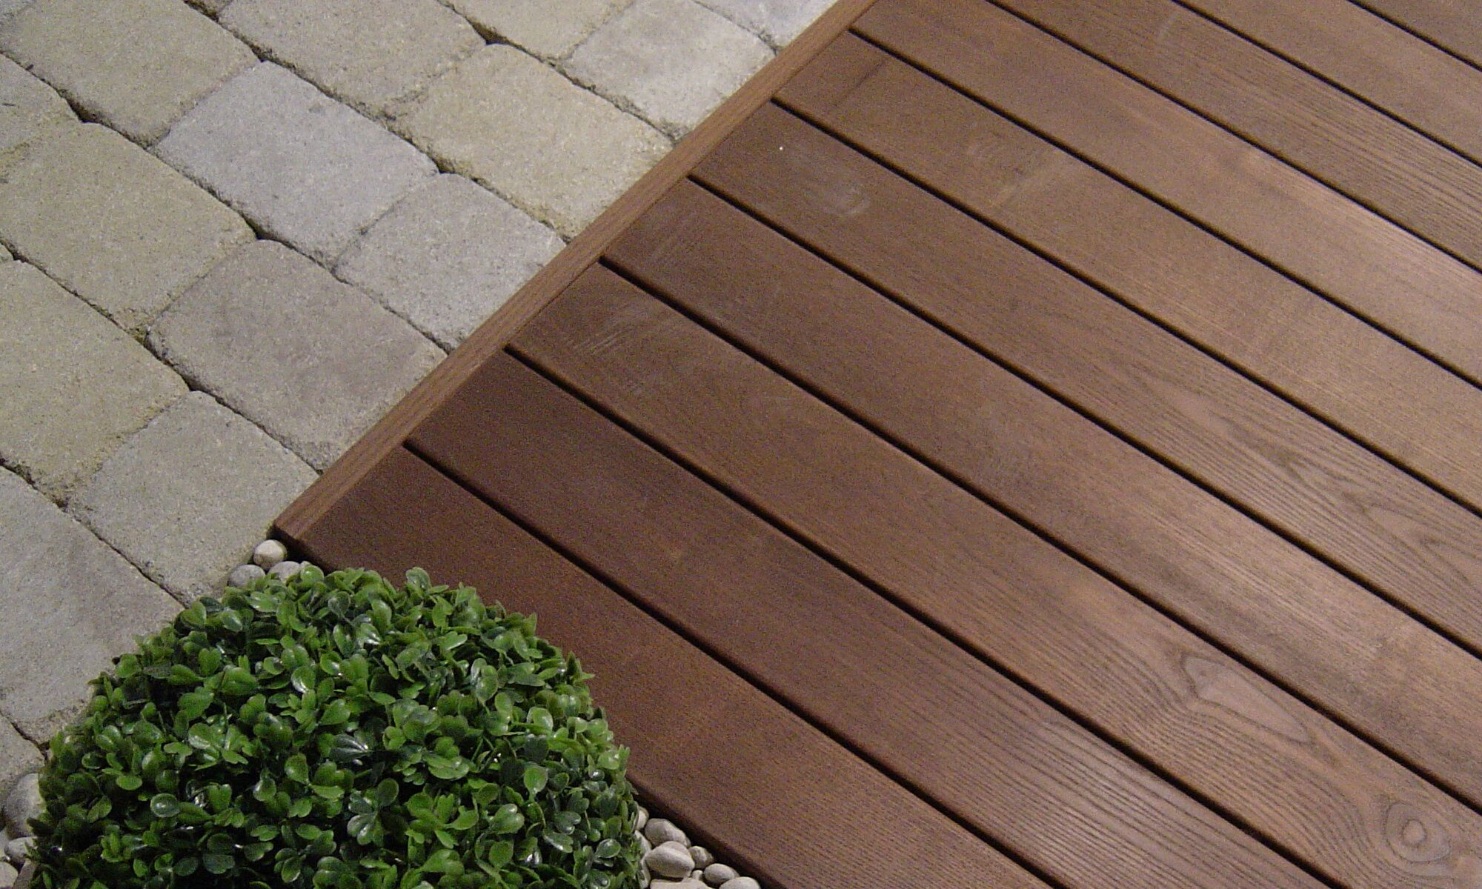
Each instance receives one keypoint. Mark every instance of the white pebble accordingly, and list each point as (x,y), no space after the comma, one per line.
(702,856)
(717,874)
(243,576)
(670,860)
(17,849)
(741,883)
(642,818)
(268,554)
(686,883)
(23,804)
(662,830)
(7,874)
(284,570)
(27,873)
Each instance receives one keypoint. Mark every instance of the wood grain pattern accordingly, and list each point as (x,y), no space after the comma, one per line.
(1418,83)
(1314,485)
(1332,244)
(928,541)
(1314,353)
(1451,24)
(1379,162)
(721,783)
(935,715)
(392,429)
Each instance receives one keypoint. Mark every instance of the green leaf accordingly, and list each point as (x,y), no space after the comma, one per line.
(506,819)
(501,853)
(336,713)
(164,805)
(297,768)
(129,782)
(194,703)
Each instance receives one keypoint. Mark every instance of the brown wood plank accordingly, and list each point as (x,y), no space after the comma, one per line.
(674,705)
(1062,800)
(928,541)
(1355,377)
(1311,483)
(1325,240)
(1426,87)
(1451,24)
(392,429)
(1379,162)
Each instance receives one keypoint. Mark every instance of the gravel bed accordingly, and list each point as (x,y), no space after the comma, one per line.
(670,860)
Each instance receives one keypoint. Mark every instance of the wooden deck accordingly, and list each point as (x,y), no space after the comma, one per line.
(1010,444)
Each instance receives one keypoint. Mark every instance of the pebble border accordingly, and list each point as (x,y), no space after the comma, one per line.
(670,860)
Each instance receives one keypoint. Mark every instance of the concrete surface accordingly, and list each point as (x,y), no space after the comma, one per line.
(138,141)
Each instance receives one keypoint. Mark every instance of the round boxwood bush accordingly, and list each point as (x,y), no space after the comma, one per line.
(338,732)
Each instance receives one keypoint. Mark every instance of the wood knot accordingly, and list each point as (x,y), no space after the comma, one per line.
(1413,836)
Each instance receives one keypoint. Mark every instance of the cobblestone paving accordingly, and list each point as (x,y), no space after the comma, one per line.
(234,232)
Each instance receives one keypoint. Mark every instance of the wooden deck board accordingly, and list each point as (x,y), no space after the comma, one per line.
(979,466)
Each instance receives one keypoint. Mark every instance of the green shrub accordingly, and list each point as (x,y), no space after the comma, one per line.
(336,731)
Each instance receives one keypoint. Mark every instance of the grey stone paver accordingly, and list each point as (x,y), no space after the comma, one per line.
(671,60)
(533,25)
(29,110)
(111,223)
(447,256)
(776,21)
(553,149)
(135,65)
(188,497)
(209,7)
(17,757)
(369,53)
(299,165)
(69,400)
(70,603)
(310,359)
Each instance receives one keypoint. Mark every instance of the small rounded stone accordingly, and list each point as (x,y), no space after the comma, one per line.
(741,883)
(17,849)
(702,856)
(669,860)
(269,553)
(244,575)
(7,874)
(24,880)
(662,830)
(23,804)
(284,570)
(642,818)
(717,874)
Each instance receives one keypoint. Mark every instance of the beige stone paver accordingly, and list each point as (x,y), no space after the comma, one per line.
(71,604)
(29,110)
(775,21)
(113,224)
(70,400)
(310,359)
(188,497)
(135,65)
(552,148)
(303,167)
(672,61)
(535,26)
(367,53)
(447,256)
(17,757)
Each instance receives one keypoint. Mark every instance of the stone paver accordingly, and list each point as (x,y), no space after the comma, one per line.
(299,165)
(135,65)
(672,61)
(188,497)
(553,149)
(209,7)
(533,25)
(312,360)
(111,223)
(69,400)
(777,21)
(17,757)
(70,605)
(29,110)
(369,53)
(447,256)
